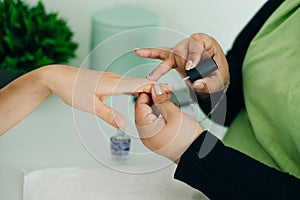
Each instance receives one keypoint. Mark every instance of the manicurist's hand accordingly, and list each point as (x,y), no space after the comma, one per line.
(83,89)
(162,126)
(185,56)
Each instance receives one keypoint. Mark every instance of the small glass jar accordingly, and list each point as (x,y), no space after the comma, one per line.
(120,145)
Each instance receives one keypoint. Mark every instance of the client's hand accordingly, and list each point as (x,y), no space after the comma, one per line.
(80,88)
(185,55)
(162,127)
(87,89)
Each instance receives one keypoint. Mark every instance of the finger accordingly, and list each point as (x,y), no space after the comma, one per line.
(199,85)
(110,115)
(147,124)
(162,102)
(151,130)
(180,52)
(161,69)
(205,42)
(157,53)
(213,83)
(143,112)
(169,95)
(143,99)
(126,85)
(195,50)
(135,86)
(201,46)
(159,95)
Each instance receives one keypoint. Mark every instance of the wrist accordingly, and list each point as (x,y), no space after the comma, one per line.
(45,77)
(199,133)
(54,77)
(196,144)
(38,79)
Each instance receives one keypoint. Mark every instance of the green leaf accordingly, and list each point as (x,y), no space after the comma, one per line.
(31,37)
(9,42)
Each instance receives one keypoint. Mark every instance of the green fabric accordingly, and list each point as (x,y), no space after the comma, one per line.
(269,128)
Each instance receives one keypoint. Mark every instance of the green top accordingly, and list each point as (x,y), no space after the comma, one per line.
(268,129)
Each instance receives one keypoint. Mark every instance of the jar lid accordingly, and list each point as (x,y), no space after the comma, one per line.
(125,16)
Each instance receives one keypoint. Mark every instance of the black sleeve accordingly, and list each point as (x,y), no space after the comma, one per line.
(234,100)
(225,173)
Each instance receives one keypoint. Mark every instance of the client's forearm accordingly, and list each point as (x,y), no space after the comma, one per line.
(22,96)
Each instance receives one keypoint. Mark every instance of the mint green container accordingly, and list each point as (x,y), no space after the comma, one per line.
(116,31)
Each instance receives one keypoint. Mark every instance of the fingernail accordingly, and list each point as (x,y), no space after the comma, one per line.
(141,52)
(199,86)
(189,65)
(157,89)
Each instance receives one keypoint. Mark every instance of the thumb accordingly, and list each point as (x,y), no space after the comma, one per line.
(159,95)
(161,100)
(110,115)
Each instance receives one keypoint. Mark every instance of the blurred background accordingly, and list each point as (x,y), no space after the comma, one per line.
(48,138)
(221,19)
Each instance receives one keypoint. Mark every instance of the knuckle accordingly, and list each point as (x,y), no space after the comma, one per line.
(107,115)
(200,37)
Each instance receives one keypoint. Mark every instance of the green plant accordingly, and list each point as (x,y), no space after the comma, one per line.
(30,37)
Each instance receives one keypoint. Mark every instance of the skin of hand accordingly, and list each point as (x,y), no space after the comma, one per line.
(185,56)
(83,89)
(162,126)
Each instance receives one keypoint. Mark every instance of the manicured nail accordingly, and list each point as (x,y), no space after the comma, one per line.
(189,65)
(136,49)
(157,89)
(199,86)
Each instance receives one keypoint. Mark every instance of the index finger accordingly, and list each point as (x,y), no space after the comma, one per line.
(156,53)
(194,55)
(161,69)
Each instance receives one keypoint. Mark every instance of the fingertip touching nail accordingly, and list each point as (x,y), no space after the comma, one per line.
(158,89)
(189,65)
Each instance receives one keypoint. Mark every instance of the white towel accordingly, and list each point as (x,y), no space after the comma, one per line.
(104,183)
